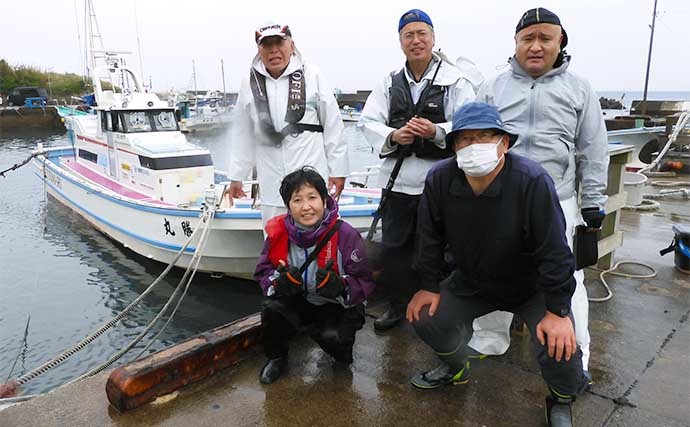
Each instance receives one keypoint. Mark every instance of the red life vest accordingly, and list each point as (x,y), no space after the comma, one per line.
(280,241)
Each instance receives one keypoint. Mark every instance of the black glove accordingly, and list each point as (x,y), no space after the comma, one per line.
(328,282)
(593,217)
(289,283)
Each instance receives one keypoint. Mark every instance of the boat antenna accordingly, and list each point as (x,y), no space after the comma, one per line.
(649,60)
(222,72)
(81,57)
(194,77)
(136,27)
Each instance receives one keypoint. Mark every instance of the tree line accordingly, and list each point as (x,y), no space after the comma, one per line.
(57,84)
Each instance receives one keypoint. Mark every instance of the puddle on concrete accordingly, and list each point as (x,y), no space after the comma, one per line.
(683,283)
(655,290)
(599,376)
(602,325)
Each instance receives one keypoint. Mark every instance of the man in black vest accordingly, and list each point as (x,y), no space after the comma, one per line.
(408,114)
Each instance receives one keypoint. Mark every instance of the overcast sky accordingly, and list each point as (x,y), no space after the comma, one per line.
(354,42)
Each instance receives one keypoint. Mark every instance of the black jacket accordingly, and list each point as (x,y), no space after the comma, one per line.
(508,243)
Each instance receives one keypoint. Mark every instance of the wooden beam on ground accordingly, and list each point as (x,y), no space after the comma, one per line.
(161,373)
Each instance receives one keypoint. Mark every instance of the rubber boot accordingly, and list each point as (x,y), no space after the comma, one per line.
(559,409)
(273,369)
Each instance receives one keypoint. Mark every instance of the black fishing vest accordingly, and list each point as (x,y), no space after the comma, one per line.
(296,106)
(401,110)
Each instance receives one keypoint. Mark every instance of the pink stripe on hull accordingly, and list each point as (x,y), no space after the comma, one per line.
(110,184)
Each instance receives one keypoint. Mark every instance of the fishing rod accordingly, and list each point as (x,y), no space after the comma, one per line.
(398,163)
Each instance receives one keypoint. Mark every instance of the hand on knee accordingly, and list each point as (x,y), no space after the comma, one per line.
(422,305)
(558,335)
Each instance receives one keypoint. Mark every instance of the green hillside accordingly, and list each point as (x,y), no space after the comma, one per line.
(57,84)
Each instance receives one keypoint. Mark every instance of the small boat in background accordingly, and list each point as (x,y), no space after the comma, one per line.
(349,114)
(646,133)
(204,112)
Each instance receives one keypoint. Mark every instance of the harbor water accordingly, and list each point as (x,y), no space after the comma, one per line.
(61,279)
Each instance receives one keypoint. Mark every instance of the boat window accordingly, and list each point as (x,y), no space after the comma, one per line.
(87,155)
(165,120)
(110,121)
(147,121)
(177,162)
(116,122)
(136,121)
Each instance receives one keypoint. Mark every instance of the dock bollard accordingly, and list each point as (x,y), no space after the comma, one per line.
(161,373)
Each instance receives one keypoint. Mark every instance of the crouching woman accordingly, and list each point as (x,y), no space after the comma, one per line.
(314,273)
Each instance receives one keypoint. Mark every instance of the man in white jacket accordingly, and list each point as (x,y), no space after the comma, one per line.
(408,114)
(559,120)
(286,118)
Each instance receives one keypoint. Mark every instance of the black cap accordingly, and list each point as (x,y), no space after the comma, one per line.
(540,15)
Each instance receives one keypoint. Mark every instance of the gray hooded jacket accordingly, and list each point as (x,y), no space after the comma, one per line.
(560,124)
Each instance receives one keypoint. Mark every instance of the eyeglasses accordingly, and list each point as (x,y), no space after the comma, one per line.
(422,34)
(481,138)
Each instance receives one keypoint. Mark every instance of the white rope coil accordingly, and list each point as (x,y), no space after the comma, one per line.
(611,271)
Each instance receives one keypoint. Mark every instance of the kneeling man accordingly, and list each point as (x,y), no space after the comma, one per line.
(499,214)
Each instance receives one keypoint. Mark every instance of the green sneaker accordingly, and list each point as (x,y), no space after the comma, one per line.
(440,376)
(474,354)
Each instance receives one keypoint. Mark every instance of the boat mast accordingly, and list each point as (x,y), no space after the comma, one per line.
(222,72)
(194,78)
(141,63)
(649,60)
(93,32)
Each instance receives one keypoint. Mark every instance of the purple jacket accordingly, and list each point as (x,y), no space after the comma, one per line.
(352,260)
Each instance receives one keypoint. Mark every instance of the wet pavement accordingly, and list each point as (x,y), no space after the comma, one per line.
(640,365)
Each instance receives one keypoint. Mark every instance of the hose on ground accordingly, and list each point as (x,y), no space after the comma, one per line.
(612,271)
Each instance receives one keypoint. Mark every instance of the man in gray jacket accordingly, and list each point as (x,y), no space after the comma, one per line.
(559,120)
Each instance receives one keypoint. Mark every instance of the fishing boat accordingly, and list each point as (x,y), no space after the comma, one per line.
(204,111)
(131,173)
(349,114)
(645,140)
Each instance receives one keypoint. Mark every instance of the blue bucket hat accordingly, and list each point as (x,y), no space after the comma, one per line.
(414,15)
(477,115)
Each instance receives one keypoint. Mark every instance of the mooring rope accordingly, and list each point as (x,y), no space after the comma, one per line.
(23,379)
(195,262)
(16,166)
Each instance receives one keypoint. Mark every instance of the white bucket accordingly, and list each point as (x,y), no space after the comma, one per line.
(634,184)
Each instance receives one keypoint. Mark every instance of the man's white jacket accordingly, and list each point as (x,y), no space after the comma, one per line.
(374,118)
(249,147)
(560,125)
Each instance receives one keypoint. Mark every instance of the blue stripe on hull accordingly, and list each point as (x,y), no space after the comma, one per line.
(101,220)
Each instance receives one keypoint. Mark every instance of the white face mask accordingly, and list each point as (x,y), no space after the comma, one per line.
(478,159)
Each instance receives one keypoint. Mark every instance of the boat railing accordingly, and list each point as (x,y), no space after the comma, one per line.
(368,172)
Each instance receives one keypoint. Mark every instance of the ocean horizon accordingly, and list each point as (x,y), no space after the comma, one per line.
(628,96)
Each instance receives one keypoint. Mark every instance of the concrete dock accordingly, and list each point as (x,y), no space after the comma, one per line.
(640,365)
(22,118)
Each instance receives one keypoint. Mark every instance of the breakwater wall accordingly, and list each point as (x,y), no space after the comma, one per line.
(13,118)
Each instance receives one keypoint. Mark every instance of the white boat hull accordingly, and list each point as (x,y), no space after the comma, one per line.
(158,232)
(637,138)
